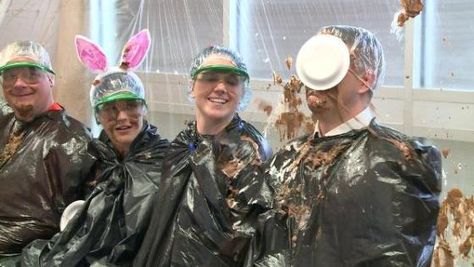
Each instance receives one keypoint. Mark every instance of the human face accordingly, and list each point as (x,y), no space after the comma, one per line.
(340,100)
(122,122)
(217,95)
(28,91)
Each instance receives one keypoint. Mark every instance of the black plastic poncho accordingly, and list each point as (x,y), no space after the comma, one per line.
(364,198)
(203,217)
(4,108)
(45,174)
(109,228)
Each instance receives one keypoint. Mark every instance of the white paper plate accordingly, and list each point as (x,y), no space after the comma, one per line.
(69,212)
(322,62)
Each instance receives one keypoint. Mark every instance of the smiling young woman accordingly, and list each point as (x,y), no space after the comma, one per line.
(206,216)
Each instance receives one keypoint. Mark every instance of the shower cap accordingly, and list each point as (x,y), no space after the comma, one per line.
(365,49)
(204,62)
(25,54)
(115,83)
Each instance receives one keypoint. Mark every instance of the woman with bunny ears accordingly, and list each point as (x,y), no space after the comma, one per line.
(205,216)
(108,227)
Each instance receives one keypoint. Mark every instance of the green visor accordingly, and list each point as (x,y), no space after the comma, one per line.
(118,96)
(24,64)
(220,68)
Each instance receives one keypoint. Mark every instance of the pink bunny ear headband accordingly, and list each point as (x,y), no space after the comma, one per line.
(116,83)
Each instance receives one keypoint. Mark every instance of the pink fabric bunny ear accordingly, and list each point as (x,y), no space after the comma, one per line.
(90,54)
(135,50)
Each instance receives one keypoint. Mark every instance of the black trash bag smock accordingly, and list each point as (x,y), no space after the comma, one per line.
(203,217)
(368,197)
(43,174)
(110,227)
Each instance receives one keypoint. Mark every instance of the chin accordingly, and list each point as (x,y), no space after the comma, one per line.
(221,118)
(25,112)
(318,110)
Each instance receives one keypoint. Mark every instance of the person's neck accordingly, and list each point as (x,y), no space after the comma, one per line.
(122,151)
(324,126)
(211,127)
(331,120)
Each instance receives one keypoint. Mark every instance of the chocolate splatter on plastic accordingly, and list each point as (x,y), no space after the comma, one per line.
(455,230)
(409,9)
(288,118)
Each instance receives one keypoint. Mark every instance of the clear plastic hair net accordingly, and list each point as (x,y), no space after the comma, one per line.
(28,49)
(116,85)
(236,59)
(366,51)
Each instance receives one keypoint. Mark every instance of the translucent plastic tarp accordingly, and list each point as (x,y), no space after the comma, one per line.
(427,90)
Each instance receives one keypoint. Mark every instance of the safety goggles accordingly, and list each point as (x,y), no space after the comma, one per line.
(220,68)
(111,110)
(230,78)
(29,75)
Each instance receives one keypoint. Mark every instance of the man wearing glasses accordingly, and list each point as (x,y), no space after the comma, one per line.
(43,151)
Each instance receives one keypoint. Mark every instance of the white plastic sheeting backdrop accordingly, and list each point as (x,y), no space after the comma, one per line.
(428,90)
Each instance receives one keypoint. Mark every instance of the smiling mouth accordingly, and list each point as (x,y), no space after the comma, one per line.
(218,100)
(23,95)
(122,127)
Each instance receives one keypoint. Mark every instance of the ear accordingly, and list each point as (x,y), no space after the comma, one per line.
(51,80)
(135,50)
(97,119)
(368,82)
(90,54)
(145,110)
(191,86)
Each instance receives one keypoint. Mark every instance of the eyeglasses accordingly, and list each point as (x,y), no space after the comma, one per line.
(231,79)
(110,111)
(29,75)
